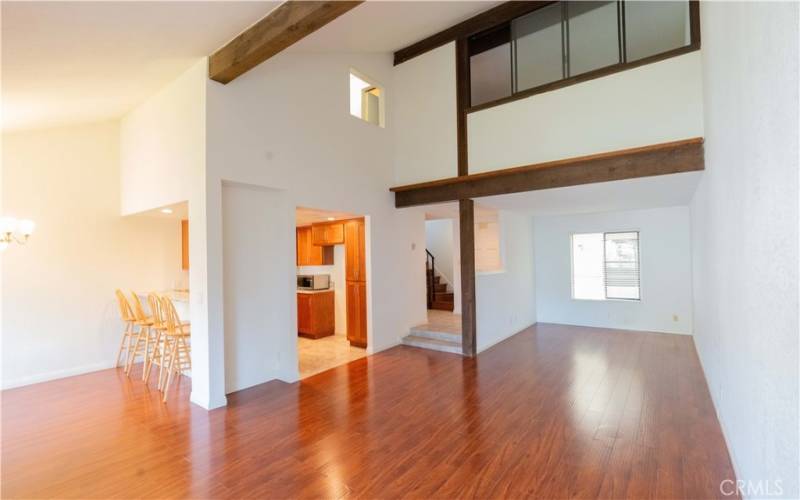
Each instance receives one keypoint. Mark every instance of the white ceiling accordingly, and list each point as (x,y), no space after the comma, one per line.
(71,62)
(632,194)
(306,216)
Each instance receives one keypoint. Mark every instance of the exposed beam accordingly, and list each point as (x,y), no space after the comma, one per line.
(288,23)
(462,103)
(495,16)
(466,221)
(659,159)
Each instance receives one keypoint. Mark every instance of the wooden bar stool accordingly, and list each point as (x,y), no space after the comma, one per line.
(144,337)
(156,354)
(176,343)
(126,314)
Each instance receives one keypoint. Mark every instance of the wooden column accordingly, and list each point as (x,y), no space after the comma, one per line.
(466,218)
(462,103)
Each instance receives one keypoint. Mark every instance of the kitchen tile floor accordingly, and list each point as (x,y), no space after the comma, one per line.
(318,355)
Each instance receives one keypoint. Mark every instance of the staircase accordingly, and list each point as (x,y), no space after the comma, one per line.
(423,336)
(439,297)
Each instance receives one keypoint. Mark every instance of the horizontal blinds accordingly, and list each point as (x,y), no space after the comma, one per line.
(621,265)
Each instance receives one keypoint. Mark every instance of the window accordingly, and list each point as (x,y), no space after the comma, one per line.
(555,44)
(366,100)
(606,266)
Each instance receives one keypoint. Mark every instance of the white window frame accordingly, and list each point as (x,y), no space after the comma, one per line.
(572,266)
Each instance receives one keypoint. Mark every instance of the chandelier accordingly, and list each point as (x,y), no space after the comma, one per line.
(14,231)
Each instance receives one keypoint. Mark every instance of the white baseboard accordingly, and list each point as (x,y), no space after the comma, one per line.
(57,374)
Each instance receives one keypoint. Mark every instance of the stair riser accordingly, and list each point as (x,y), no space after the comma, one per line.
(432,347)
(443,306)
(450,337)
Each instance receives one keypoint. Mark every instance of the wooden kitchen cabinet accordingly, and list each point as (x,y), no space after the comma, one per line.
(315,314)
(185,245)
(327,233)
(309,254)
(357,313)
(356,281)
(355,251)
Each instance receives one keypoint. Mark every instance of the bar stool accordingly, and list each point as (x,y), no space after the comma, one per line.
(156,354)
(144,338)
(178,353)
(126,315)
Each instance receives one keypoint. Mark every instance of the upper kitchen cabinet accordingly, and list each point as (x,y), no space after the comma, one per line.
(326,234)
(355,250)
(309,254)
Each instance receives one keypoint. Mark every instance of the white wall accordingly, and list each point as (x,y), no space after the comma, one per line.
(423,116)
(162,144)
(336,272)
(255,222)
(506,301)
(439,241)
(655,103)
(666,271)
(745,227)
(163,158)
(286,125)
(60,314)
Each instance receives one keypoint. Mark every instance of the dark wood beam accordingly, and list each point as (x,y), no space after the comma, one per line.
(466,220)
(288,23)
(462,103)
(495,16)
(659,159)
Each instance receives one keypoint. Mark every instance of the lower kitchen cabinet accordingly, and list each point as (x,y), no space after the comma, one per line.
(315,314)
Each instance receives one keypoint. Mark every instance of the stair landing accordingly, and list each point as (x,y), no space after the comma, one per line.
(442,332)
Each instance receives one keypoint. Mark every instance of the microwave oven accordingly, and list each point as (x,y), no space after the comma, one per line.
(313,281)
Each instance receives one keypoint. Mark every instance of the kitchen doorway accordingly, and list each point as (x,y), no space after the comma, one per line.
(331,289)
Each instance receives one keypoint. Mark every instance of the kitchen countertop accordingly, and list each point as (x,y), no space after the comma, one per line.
(315,291)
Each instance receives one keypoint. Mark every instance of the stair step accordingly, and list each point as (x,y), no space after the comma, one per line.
(440,288)
(442,306)
(433,344)
(443,296)
(436,280)
(421,331)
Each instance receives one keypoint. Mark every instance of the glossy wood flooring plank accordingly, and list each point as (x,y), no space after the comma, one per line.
(555,411)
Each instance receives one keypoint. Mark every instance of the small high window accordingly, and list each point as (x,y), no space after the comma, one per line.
(605,266)
(366,99)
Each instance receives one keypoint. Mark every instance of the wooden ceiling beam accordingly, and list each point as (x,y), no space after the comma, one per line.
(287,24)
(659,159)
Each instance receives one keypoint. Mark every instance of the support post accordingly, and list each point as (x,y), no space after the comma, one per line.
(466,217)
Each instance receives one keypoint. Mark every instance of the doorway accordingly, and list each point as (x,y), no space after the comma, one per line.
(331,289)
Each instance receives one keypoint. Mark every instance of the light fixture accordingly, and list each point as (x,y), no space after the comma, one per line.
(331,218)
(166,210)
(15,231)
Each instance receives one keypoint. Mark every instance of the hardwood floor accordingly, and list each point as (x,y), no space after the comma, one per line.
(555,411)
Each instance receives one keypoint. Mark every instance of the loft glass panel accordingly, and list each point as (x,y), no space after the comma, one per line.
(537,39)
(490,74)
(593,36)
(655,27)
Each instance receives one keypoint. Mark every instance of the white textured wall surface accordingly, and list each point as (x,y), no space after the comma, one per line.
(422,112)
(286,125)
(655,103)
(666,271)
(162,144)
(257,225)
(745,227)
(506,301)
(60,315)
